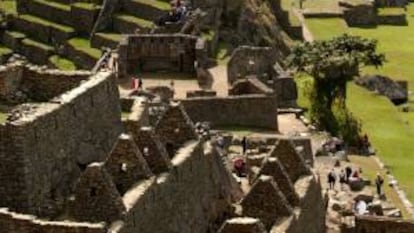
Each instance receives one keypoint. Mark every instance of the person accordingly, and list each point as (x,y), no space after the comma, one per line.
(348,171)
(361,207)
(135,83)
(239,167)
(342,178)
(244,145)
(378,183)
(140,83)
(220,141)
(331,179)
(356,174)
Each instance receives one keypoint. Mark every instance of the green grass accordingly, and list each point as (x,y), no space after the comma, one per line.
(57,5)
(390,130)
(83,44)
(3,117)
(111,36)
(141,22)
(156,3)
(222,54)
(208,35)
(16,34)
(62,63)
(37,44)
(41,21)
(86,6)
(288,6)
(4,50)
(9,6)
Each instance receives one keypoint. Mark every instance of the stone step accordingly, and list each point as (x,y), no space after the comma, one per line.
(42,30)
(52,11)
(128,24)
(61,63)
(35,51)
(106,39)
(146,9)
(79,51)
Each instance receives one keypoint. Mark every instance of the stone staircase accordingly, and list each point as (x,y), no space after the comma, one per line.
(133,16)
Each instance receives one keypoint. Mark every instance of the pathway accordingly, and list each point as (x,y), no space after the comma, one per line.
(220,84)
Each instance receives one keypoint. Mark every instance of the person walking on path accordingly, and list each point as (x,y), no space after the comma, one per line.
(379,181)
(244,145)
(331,179)
(348,171)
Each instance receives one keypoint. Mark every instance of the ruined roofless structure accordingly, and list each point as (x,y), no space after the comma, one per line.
(69,164)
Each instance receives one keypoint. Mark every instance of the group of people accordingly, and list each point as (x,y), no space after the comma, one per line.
(349,175)
(345,176)
(179,11)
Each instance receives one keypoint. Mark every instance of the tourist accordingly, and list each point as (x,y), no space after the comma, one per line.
(356,174)
(220,141)
(140,83)
(348,171)
(378,183)
(239,167)
(331,179)
(361,207)
(244,145)
(135,83)
(342,179)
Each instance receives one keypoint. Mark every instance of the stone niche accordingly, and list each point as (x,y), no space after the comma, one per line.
(160,52)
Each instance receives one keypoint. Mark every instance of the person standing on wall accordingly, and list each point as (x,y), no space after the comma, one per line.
(331,179)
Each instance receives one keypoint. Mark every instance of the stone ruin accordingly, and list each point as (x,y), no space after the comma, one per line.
(76,158)
(257,70)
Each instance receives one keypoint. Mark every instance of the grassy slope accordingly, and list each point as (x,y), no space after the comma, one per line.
(391,131)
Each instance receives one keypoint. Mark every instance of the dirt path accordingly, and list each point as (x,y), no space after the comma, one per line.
(220,84)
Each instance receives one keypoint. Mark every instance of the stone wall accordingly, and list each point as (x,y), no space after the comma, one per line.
(247,60)
(18,223)
(155,52)
(36,83)
(359,15)
(377,224)
(247,111)
(46,145)
(196,192)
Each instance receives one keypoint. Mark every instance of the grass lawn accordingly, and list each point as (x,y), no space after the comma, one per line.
(9,6)
(3,117)
(83,44)
(391,131)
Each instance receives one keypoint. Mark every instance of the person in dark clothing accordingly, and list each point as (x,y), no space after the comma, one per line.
(348,171)
(378,183)
(244,145)
(331,179)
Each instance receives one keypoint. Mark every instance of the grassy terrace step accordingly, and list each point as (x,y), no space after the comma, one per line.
(37,44)
(81,53)
(161,5)
(86,6)
(12,39)
(4,55)
(129,24)
(106,39)
(57,5)
(9,6)
(46,23)
(61,63)
(36,52)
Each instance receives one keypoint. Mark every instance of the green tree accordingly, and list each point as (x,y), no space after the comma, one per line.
(332,63)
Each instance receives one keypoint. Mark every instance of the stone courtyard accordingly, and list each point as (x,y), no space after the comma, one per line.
(152,132)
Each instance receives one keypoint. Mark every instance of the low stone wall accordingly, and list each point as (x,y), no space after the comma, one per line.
(360,15)
(375,224)
(19,223)
(247,111)
(392,19)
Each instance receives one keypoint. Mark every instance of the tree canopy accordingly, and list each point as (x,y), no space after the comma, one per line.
(332,63)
